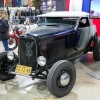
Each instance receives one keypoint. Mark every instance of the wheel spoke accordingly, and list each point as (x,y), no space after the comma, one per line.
(12,42)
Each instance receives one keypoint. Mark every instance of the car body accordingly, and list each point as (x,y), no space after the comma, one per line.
(47,51)
(52,35)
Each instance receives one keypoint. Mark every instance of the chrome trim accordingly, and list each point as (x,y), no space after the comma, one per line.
(64,79)
(30,37)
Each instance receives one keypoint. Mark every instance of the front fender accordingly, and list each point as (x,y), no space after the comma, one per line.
(3,55)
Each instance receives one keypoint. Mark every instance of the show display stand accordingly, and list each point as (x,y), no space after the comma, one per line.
(95,74)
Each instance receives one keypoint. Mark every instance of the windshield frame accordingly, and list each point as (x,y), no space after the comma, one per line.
(57,22)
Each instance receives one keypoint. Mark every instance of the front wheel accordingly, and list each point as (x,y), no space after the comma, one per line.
(61,78)
(4,67)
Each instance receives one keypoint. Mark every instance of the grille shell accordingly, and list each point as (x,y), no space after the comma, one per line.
(28,52)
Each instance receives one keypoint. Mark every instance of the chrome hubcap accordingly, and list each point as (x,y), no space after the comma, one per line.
(64,79)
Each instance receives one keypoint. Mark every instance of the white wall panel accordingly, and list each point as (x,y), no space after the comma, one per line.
(75,5)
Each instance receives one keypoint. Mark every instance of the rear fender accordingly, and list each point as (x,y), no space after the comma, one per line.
(93,39)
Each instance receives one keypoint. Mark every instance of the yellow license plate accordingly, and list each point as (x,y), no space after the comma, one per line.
(23,69)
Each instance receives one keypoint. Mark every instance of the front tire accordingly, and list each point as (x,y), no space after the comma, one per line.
(96,49)
(61,78)
(3,68)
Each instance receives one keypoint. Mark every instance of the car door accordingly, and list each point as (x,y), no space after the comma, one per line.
(83,35)
(79,39)
(72,43)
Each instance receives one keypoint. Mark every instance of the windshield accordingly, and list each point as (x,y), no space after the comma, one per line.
(71,21)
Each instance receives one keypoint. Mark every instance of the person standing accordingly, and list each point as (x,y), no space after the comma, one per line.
(4,31)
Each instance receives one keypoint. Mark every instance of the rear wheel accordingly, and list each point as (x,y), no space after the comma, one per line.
(96,49)
(61,78)
(4,67)
(12,43)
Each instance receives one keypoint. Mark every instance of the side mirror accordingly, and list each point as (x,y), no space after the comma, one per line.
(84,21)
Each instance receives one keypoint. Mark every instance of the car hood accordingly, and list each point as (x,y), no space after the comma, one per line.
(49,29)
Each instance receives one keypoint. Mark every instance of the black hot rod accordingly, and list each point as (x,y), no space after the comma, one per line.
(46,52)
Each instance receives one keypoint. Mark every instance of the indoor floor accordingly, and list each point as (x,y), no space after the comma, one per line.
(85,88)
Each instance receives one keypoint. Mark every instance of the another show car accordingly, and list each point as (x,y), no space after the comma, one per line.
(47,51)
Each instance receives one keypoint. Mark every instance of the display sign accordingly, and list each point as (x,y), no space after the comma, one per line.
(48,5)
(95,9)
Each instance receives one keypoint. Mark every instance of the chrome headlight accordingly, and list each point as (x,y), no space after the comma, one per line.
(10,55)
(41,61)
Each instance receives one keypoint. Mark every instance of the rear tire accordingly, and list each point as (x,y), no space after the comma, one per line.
(61,78)
(3,75)
(10,43)
(96,49)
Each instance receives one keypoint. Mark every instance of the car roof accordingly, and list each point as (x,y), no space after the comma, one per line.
(65,14)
